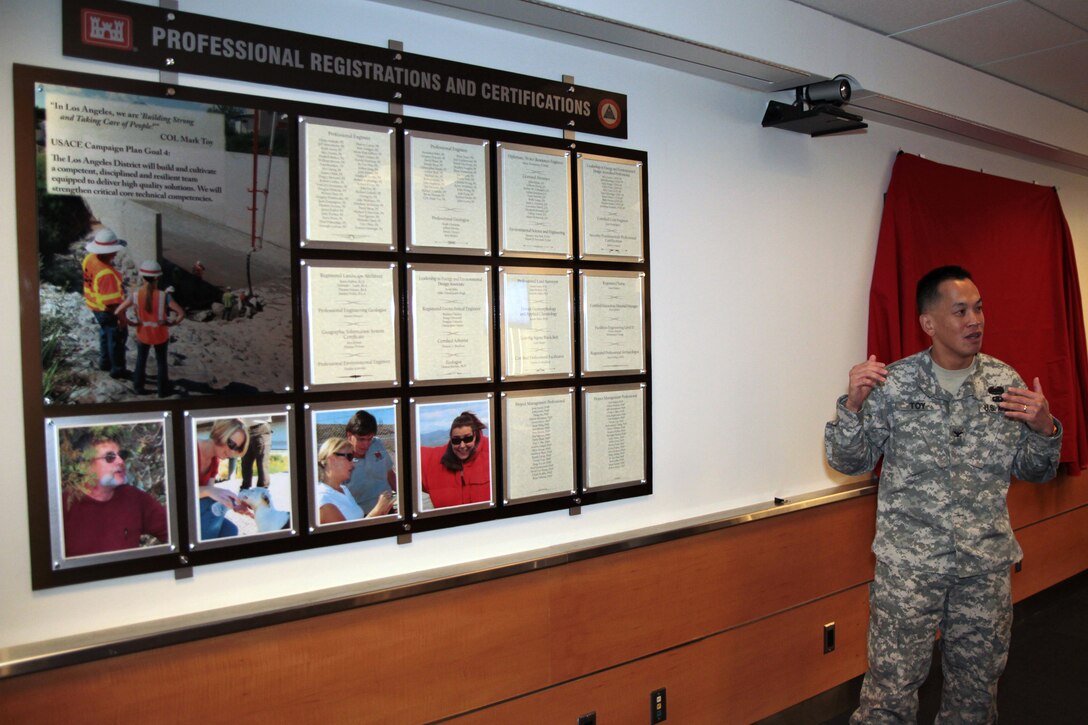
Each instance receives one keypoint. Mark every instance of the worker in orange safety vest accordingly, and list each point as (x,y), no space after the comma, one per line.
(103,291)
(152,318)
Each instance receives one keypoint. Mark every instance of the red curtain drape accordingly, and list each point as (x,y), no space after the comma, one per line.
(1013,238)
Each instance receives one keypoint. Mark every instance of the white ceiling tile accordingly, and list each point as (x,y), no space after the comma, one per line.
(1048,73)
(894,16)
(1075,11)
(1002,31)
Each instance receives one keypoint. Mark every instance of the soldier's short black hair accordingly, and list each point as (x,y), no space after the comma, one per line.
(362,424)
(926,293)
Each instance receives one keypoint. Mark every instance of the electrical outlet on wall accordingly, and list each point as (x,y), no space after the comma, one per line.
(657,706)
(829,637)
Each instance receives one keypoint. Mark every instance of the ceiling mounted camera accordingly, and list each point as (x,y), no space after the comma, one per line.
(816,110)
(836,90)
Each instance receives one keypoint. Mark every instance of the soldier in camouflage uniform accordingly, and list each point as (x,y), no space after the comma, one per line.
(952,424)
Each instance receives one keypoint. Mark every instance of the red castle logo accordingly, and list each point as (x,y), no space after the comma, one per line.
(107,30)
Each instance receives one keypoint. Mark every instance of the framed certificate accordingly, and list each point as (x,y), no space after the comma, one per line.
(613,335)
(535,202)
(252,500)
(348,181)
(350,329)
(538,444)
(449,193)
(450,319)
(354,457)
(535,312)
(111,488)
(610,208)
(614,435)
(454,464)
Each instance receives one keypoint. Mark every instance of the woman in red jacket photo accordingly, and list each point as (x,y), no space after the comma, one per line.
(458,472)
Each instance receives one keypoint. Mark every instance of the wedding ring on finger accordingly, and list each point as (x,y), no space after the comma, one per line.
(1025,408)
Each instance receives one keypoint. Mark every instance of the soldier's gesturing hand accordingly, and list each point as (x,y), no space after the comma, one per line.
(863,377)
(1029,406)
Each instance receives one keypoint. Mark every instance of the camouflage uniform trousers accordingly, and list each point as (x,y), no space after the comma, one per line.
(906,608)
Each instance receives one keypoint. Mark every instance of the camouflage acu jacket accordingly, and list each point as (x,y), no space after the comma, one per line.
(941,500)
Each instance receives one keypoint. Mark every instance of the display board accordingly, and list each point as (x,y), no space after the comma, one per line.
(264,326)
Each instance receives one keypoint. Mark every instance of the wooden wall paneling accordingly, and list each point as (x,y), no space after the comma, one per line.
(452,651)
(1031,502)
(1054,550)
(722,619)
(620,607)
(737,676)
(411,660)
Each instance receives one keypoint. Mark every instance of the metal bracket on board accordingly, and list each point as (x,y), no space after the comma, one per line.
(184,570)
(396,109)
(568,134)
(169,77)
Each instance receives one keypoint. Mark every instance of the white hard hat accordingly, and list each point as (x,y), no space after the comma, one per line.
(150,268)
(105,242)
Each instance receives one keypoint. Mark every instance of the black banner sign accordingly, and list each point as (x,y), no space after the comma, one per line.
(169,40)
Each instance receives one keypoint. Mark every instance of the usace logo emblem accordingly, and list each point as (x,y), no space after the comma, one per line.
(107,30)
(608,113)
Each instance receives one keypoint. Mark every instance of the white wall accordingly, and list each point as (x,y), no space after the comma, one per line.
(762,244)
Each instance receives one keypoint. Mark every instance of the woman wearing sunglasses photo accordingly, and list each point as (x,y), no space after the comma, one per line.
(460,471)
(335,463)
(228,438)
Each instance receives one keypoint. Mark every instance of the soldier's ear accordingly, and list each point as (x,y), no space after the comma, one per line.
(927,324)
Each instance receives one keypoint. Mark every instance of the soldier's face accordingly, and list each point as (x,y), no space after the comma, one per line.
(955,323)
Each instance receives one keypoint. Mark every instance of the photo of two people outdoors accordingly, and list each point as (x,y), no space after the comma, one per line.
(164,248)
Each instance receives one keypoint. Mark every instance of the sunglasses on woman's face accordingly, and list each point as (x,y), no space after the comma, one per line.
(236,447)
(349,456)
(458,440)
(110,457)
